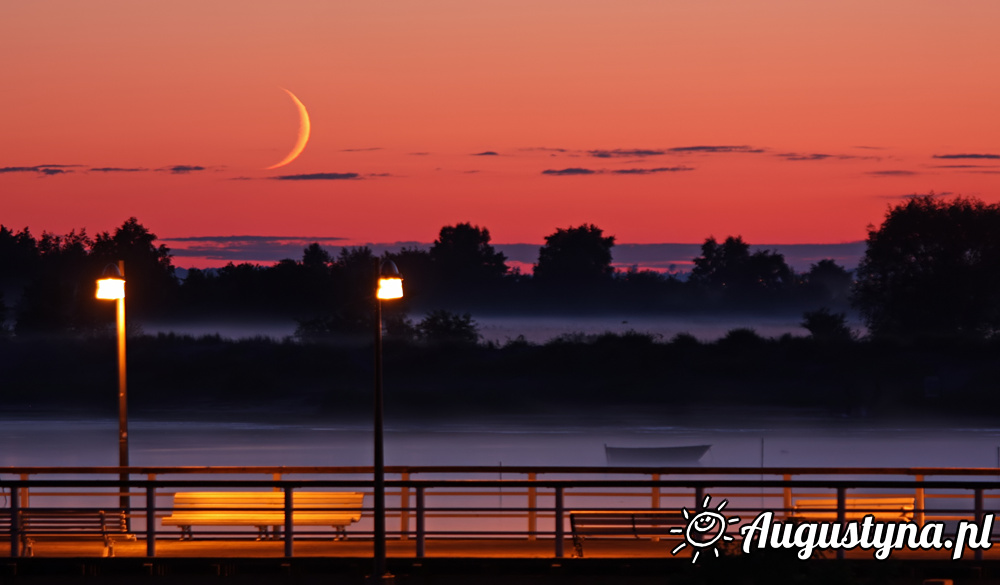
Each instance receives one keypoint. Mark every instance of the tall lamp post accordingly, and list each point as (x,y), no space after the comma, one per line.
(111,286)
(390,286)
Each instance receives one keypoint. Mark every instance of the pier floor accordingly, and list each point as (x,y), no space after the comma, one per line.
(622,548)
(481,561)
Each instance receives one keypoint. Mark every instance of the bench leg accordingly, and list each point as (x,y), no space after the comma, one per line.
(578,546)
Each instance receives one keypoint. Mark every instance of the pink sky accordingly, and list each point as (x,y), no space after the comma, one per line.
(781,121)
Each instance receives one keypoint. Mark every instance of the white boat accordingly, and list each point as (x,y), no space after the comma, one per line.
(655,455)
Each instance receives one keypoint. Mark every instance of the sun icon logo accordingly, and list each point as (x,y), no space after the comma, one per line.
(704,529)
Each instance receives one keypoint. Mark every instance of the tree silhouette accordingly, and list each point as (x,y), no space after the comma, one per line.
(60,297)
(730,268)
(18,259)
(4,329)
(932,270)
(446,328)
(149,274)
(417,270)
(463,254)
(576,255)
(828,282)
(315,258)
(827,327)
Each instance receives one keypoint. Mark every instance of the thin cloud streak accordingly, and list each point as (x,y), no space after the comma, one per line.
(651,171)
(968,156)
(918,195)
(182,169)
(625,153)
(45,170)
(581,171)
(717,149)
(319,177)
(892,173)
(819,156)
(569,172)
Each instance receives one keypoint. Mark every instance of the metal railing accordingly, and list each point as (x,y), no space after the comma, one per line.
(529,503)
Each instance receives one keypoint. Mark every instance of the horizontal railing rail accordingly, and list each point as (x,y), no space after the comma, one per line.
(537,505)
(472,470)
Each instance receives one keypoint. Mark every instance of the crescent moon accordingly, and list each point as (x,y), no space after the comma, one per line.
(300,143)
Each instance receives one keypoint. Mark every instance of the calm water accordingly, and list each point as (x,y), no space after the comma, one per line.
(62,441)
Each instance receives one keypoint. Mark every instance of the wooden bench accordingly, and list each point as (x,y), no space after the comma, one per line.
(886,509)
(263,510)
(69,523)
(622,524)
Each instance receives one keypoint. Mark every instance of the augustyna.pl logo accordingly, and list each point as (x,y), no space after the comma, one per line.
(706,529)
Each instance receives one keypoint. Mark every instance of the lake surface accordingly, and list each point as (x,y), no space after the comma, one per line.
(64,441)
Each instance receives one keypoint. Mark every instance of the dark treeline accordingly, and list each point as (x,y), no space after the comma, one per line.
(47,282)
(928,287)
(930,271)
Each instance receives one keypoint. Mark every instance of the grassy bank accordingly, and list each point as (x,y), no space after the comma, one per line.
(585,374)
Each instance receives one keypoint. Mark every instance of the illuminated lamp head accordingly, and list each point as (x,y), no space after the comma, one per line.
(390,283)
(111,285)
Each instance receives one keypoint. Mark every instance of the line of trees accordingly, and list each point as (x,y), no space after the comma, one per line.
(932,269)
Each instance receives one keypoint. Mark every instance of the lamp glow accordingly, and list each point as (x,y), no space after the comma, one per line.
(111,288)
(390,288)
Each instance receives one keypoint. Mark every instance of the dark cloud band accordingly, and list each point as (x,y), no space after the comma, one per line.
(968,156)
(580,171)
(319,177)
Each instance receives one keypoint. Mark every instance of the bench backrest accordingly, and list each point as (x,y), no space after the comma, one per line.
(67,520)
(856,504)
(621,522)
(268,500)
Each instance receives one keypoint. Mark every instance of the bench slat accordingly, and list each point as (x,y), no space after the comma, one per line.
(263,509)
(880,508)
(57,523)
(622,523)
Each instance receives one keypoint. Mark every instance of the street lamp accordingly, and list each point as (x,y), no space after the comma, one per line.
(390,286)
(111,286)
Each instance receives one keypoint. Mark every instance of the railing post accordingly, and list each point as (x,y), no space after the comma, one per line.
(150,519)
(25,502)
(276,477)
(404,508)
(699,497)
(15,524)
(560,530)
(421,529)
(532,508)
(125,495)
(919,516)
(841,513)
(979,518)
(786,501)
(288,521)
(655,503)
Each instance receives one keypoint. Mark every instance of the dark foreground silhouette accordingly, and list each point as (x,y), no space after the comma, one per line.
(604,374)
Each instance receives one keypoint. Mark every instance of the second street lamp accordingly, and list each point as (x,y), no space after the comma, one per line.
(390,286)
(111,286)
